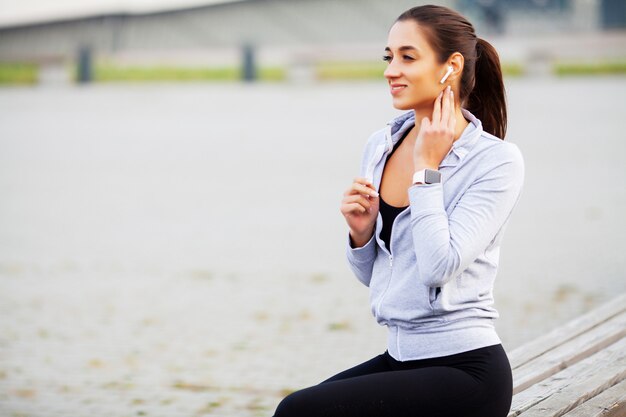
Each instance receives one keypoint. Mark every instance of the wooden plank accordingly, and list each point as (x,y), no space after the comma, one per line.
(566,332)
(602,363)
(610,403)
(579,392)
(570,353)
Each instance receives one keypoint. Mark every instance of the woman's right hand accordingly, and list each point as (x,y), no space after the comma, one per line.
(360,208)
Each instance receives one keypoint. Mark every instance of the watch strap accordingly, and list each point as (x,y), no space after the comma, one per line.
(427,176)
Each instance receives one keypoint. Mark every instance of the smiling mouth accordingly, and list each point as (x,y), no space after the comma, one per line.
(399,87)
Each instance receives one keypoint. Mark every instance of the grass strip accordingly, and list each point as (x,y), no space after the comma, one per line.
(27,73)
(18,73)
(512,69)
(590,68)
(110,73)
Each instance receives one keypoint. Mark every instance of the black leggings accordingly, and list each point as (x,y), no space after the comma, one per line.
(477,383)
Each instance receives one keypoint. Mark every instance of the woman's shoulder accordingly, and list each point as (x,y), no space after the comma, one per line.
(498,149)
(491,146)
(497,160)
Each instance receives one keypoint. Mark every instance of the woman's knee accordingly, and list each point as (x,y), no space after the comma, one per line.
(292,405)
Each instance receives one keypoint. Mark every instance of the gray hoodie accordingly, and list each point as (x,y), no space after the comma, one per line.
(434,289)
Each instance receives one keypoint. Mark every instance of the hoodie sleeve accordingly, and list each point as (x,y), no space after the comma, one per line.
(361,260)
(446,246)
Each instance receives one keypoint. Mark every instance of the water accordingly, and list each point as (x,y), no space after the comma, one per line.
(179,237)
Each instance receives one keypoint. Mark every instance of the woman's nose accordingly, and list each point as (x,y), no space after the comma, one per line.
(391,71)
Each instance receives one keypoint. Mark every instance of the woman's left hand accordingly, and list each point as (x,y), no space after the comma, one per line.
(435,137)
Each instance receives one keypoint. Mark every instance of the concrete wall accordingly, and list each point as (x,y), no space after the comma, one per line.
(276,25)
(269,23)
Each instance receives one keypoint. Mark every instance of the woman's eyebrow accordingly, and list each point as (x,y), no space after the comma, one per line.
(404,48)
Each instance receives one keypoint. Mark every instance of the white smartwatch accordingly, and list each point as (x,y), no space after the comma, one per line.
(427,176)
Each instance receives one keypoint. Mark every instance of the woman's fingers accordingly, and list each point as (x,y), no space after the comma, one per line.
(361,186)
(424,125)
(452,120)
(437,110)
(435,136)
(445,107)
(444,116)
(353,208)
(357,197)
(356,203)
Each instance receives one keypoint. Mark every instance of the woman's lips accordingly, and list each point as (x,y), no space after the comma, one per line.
(397,88)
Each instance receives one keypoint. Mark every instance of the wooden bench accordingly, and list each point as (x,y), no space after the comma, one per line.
(576,370)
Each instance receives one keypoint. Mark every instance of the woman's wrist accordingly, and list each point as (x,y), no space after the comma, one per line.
(420,164)
(358,240)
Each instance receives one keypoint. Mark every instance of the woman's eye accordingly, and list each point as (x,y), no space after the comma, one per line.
(389,58)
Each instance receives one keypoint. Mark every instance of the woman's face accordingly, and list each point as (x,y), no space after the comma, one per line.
(412,64)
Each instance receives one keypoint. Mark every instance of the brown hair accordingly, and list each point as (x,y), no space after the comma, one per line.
(482,89)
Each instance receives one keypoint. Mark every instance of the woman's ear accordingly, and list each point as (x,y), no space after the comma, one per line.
(456,62)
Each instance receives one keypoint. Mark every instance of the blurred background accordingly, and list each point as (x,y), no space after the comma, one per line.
(171,174)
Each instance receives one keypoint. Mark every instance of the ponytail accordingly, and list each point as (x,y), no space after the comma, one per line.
(487,99)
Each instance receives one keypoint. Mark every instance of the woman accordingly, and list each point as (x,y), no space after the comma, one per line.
(426,218)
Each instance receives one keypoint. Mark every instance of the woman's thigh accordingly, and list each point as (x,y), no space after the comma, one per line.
(372,366)
(437,391)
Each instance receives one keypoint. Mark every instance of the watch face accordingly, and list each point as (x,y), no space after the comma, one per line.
(432,176)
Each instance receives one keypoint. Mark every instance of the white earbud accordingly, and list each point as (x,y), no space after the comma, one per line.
(445,77)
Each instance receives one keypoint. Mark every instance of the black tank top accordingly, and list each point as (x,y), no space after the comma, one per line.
(387,212)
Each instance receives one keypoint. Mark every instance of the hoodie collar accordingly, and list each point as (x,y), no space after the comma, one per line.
(460,147)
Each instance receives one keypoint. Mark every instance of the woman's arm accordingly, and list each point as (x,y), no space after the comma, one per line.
(360,207)
(361,259)
(446,246)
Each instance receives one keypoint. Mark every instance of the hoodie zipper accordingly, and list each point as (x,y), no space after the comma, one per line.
(390,257)
(376,160)
(389,143)
(393,223)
